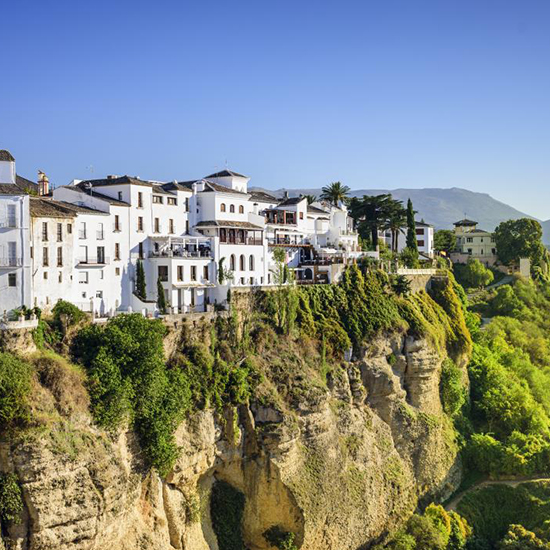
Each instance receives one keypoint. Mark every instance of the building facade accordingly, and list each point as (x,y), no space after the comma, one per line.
(472,242)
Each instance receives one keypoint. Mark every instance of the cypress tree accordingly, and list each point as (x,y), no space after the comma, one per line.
(161,298)
(141,289)
(411,229)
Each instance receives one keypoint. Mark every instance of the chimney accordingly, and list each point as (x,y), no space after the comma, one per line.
(7,167)
(43,184)
(285,195)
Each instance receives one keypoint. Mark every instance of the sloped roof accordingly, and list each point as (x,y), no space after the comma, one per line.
(96,194)
(210,186)
(423,224)
(315,210)
(225,174)
(6,156)
(228,223)
(122,180)
(48,208)
(179,185)
(260,196)
(465,221)
(291,201)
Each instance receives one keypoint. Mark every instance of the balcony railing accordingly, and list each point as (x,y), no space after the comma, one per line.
(181,253)
(11,262)
(94,261)
(9,224)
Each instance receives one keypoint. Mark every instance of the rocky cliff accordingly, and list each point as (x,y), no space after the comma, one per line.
(340,460)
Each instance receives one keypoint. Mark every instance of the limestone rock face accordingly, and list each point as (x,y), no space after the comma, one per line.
(341,469)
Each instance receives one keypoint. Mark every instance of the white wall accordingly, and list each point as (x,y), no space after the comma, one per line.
(7,172)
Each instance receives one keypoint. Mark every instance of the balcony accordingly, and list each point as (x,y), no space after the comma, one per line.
(182,253)
(9,224)
(10,262)
(90,262)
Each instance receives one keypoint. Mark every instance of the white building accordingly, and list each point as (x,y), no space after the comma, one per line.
(195,239)
(15,259)
(424,239)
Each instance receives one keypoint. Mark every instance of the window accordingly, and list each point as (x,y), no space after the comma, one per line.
(242,263)
(120,195)
(84,295)
(241,209)
(12,253)
(45,258)
(100,234)
(157,225)
(420,242)
(12,216)
(140,223)
(45,275)
(470,240)
(59,256)
(232,263)
(251,263)
(82,230)
(83,277)
(83,254)
(163,273)
(99,294)
(12,279)
(187,204)
(493,250)
(301,215)
(171,224)
(223,235)
(117,251)
(157,199)
(232,208)
(44,231)
(60,277)
(242,281)
(205,273)
(59,232)
(140,251)
(140,200)
(482,251)
(70,228)
(180,273)
(420,231)
(100,254)
(172,201)
(187,227)
(469,250)
(193,272)
(117,223)
(117,271)
(101,274)
(481,239)
(222,207)
(251,280)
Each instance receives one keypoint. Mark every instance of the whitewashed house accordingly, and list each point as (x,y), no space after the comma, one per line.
(15,257)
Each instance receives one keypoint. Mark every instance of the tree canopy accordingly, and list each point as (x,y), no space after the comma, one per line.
(444,241)
(335,192)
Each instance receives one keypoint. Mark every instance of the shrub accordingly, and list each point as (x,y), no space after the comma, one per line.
(11,501)
(451,388)
(226,511)
(15,388)
(67,311)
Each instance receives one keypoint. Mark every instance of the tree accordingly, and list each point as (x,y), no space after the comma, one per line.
(161,297)
(444,241)
(394,220)
(370,214)
(411,228)
(476,274)
(335,193)
(141,289)
(519,538)
(521,238)
(310,198)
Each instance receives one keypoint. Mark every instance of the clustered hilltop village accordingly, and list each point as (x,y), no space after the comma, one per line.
(192,241)
(199,366)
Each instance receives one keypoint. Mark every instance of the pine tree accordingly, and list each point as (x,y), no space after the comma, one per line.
(161,298)
(141,289)
(411,229)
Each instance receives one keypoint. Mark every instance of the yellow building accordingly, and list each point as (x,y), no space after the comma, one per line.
(472,242)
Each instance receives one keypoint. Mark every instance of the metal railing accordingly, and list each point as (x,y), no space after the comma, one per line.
(11,262)
(102,260)
(181,254)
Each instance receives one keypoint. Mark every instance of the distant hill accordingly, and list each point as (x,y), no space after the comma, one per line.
(442,207)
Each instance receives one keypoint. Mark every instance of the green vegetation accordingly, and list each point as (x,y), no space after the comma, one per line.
(161,297)
(516,239)
(15,388)
(510,515)
(11,501)
(476,275)
(436,529)
(444,241)
(281,539)
(226,511)
(141,288)
(335,193)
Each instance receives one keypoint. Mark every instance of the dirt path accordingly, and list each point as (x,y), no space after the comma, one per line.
(510,482)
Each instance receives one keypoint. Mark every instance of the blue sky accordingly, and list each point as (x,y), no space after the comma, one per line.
(378,94)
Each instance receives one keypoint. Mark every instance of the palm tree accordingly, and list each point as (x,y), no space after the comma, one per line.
(310,198)
(335,192)
(396,218)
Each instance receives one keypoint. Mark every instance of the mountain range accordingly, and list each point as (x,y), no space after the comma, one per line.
(442,207)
